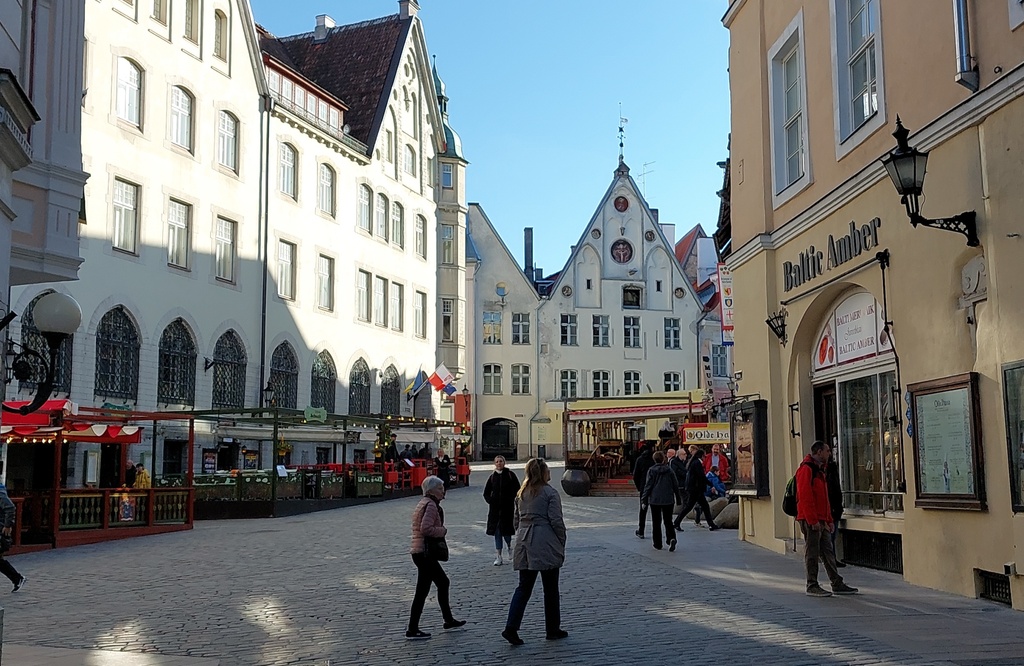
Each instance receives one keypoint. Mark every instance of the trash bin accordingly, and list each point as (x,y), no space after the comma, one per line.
(542,450)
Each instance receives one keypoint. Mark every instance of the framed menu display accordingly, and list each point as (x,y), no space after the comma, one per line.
(749,447)
(948,459)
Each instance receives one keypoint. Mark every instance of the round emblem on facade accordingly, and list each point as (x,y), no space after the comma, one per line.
(566,290)
(649,235)
(596,233)
(622,251)
(678,292)
(621,204)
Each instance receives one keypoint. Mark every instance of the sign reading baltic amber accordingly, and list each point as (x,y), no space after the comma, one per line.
(813,262)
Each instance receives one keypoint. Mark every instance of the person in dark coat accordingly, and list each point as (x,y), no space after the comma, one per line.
(640,468)
(443,465)
(661,493)
(678,466)
(500,495)
(835,501)
(8,513)
(129,475)
(696,483)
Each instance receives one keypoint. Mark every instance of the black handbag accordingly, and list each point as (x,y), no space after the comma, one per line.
(437,548)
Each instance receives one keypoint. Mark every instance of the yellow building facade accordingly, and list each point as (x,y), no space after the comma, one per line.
(902,345)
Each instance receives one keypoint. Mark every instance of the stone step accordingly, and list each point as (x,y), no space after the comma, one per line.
(613,490)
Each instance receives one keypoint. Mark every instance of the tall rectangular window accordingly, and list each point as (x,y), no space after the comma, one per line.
(325,282)
(602,384)
(160,11)
(447,177)
(568,330)
(397,306)
(126,216)
(602,336)
(225,250)
(492,379)
(220,35)
(179,223)
(672,333)
(227,141)
(409,162)
(420,313)
(492,328)
(286,269)
(363,295)
(869,456)
(672,381)
(861,63)
(192,20)
(380,301)
(381,229)
(397,224)
(568,384)
(787,89)
(447,244)
(365,195)
(421,236)
(325,191)
(129,92)
(520,379)
(631,382)
(719,361)
(521,328)
(857,84)
(792,111)
(286,171)
(181,118)
(631,331)
(447,320)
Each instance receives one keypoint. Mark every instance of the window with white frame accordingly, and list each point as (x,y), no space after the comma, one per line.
(220,35)
(857,85)
(286,269)
(363,295)
(287,180)
(365,196)
(568,381)
(521,328)
(159,12)
(325,192)
(129,92)
(631,331)
(181,117)
(192,19)
(447,320)
(672,333)
(325,282)
(126,216)
(569,332)
(520,379)
(672,381)
(227,141)
(447,176)
(421,236)
(381,229)
(719,361)
(447,244)
(602,384)
(602,333)
(225,249)
(788,119)
(397,224)
(492,379)
(420,314)
(397,306)
(492,328)
(409,163)
(179,223)
(631,382)
(380,301)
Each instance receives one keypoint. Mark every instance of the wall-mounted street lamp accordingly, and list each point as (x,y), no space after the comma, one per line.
(906,167)
(777,322)
(56,316)
(268,395)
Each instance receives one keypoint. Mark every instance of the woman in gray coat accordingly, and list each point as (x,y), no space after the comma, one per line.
(540,548)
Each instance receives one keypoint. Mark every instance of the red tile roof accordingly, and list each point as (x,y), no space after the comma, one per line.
(685,244)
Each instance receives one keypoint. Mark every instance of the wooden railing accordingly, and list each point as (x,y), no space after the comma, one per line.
(115,508)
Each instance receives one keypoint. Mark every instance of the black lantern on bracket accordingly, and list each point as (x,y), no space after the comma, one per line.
(56,316)
(777,323)
(268,395)
(906,167)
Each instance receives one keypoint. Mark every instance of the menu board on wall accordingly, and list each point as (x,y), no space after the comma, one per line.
(743,454)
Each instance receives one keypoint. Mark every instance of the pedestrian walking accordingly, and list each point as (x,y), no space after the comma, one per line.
(8,511)
(640,468)
(661,493)
(816,523)
(696,482)
(500,495)
(428,523)
(540,549)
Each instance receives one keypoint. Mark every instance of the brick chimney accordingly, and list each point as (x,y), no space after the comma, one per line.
(323,24)
(408,8)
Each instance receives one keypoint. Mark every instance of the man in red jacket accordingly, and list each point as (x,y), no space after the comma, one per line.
(815,516)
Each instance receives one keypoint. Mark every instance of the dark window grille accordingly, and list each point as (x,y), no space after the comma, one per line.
(873,549)
(176,382)
(995,587)
(322,381)
(284,376)
(117,356)
(390,392)
(229,372)
(359,389)
(34,340)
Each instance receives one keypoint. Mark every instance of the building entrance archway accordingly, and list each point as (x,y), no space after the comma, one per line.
(500,437)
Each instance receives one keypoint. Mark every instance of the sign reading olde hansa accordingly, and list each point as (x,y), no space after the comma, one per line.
(813,262)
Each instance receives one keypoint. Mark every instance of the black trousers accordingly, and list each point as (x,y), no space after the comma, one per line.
(661,514)
(429,572)
(692,500)
(552,607)
(7,569)
(643,517)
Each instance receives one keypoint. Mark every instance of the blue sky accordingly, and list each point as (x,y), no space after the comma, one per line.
(534,89)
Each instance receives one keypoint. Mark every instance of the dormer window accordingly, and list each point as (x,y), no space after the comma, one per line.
(631,297)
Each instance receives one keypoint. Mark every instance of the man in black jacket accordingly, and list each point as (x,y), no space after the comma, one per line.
(835,500)
(8,511)
(640,469)
(696,484)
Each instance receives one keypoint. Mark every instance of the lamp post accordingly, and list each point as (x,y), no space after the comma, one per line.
(56,316)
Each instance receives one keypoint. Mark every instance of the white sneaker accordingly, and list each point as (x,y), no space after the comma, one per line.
(497,561)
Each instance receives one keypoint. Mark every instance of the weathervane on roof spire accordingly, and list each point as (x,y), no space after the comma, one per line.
(622,131)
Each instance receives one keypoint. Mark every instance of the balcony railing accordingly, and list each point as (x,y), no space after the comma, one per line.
(311,118)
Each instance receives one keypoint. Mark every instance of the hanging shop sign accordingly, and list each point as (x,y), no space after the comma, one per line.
(813,262)
(706,434)
(727,304)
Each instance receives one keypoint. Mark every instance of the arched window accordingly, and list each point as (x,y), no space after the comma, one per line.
(397,224)
(359,389)
(409,162)
(220,35)
(325,193)
(381,229)
(129,92)
(227,141)
(286,171)
(390,392)
(322,381)
(182,105)
(176,381)
(284,376)
(33,339)
(117,356)
(365,196)
(229,362)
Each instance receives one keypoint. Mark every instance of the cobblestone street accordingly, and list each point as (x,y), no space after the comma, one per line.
(334,588)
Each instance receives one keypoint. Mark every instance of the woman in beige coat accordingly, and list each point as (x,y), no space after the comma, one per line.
(540,549)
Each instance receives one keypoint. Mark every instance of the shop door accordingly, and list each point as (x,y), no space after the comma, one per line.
(227,457)
(825,416)
(500,438)
(110,466)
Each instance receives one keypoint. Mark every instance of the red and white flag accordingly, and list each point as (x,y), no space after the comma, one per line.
(441,378)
